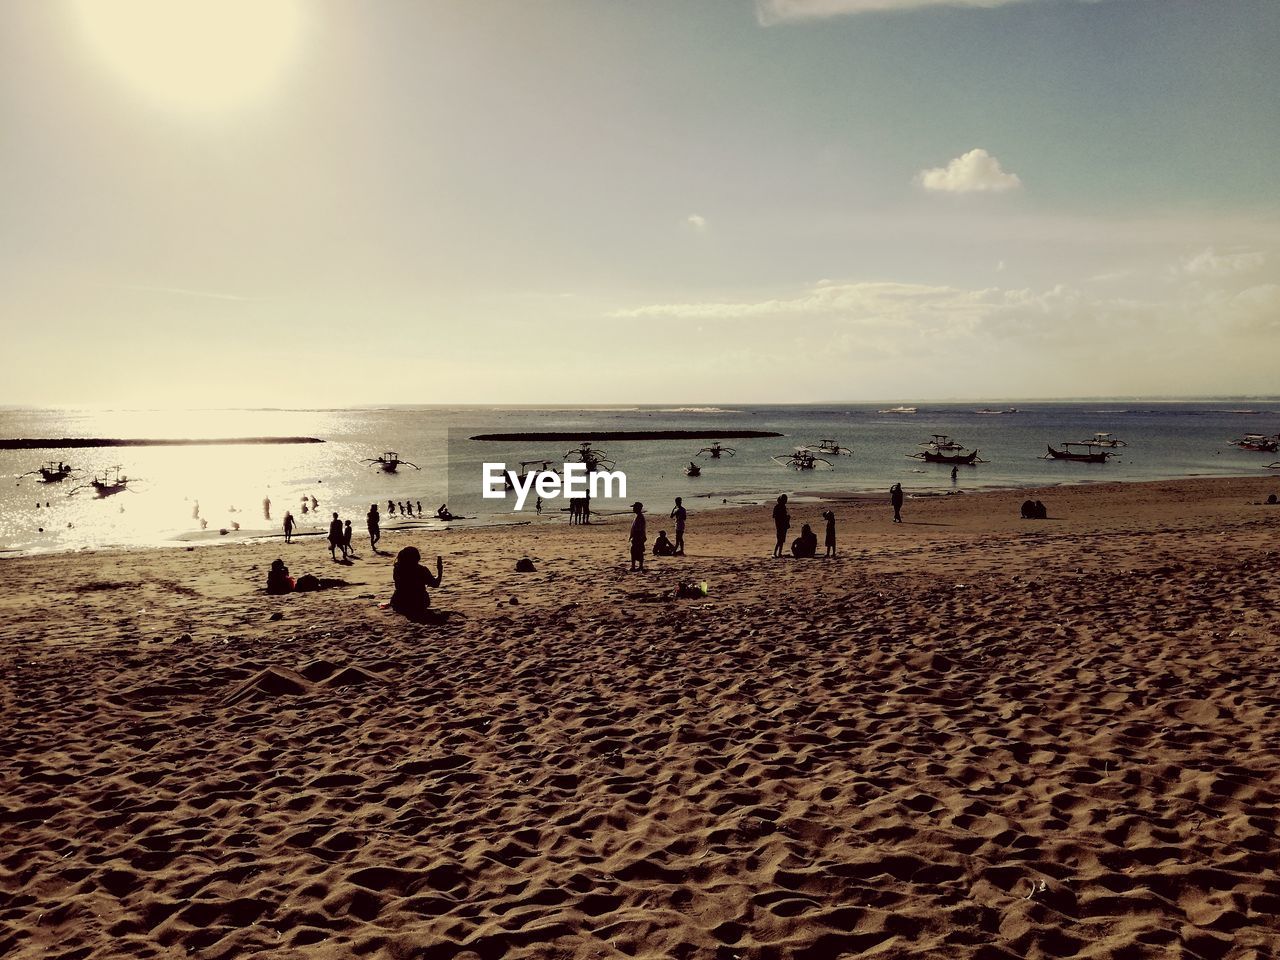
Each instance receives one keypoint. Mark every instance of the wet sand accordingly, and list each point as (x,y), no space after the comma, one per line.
(967,736)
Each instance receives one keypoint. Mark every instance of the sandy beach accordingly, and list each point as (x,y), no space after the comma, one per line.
(969,735)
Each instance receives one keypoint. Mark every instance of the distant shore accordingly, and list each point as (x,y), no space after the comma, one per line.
(598,435)
(25,443)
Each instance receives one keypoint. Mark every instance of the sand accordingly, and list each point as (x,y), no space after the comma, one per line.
(968,736)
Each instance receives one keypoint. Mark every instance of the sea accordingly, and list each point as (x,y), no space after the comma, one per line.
(213,494)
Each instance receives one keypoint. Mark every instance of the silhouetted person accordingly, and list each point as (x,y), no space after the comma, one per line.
(442,512)
(314,503)
(679,514)
(805,545)
(400,505)
(305,508)
(419,508)
(1028,510)
(374,522)
(662,547)
(289,524)
(266,508)
(346,540)
(408,507)
(335,538)
(781,524)
(955,474)
(537,506)
(638,536)
(830,541)
(586,508)
(411,580)
(895,498)
(391,507)
(278,579)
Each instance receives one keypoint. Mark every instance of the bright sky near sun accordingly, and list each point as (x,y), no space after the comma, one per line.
(293,203)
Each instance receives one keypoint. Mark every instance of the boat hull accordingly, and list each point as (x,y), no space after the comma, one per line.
(1098,457)
(956,459)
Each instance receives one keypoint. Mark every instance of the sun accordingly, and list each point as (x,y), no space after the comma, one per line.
(194,55)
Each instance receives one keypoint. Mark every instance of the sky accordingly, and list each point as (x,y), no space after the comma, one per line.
(270,202)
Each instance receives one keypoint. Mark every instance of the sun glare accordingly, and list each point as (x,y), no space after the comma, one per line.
(194,55)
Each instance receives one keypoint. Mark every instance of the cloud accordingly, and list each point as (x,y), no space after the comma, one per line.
(1210,265)
(769,12)
(974,172)
(697,221)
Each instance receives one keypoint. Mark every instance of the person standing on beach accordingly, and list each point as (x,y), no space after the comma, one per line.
(679,514)
(374,522)
(830,517)
(288,527)
(638,536)
(781,524)
(537,506)
(266,508)
(346,540)
(895,498)
(335,538)
(955,474)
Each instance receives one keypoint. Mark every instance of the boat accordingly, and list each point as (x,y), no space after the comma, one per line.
(54,471)
(1103,440)
(898,410)
(1092,456)
(940,441)
(692,470)
(988,412)
(937,456)
(390,462)
(802,459)
(829,446)
(1257,442)
(110,481)
(544,466)
(716,450)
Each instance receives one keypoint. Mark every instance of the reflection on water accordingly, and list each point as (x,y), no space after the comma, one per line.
(230,483)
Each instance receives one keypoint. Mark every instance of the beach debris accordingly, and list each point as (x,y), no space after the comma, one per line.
(1037,886)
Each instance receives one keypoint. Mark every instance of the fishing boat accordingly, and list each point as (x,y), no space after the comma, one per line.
(54,471)
(1103,440)
(692,470)
(937,456)
(898,410)
(716,450)
(1257,442)
(829,446)
(988,412)
(110,481)
(941,442)
(802,459)
(390,462)
(543,466)
(1091,456)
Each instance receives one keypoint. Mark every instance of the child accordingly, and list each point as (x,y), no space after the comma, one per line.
(830,517)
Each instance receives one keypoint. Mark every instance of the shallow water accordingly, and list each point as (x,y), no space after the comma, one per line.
(229,483)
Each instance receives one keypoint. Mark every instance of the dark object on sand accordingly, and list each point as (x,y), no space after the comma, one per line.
(306,583)
(525,565)
(1034,510)
(691,591)
(278,579)
(1271,499)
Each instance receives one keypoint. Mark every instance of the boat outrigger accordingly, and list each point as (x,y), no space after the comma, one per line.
(1091,456)
(390,462)
(54,471)
(109,481)
(715,450)
(830,446)
(1102,440)
(1259,443)
(941,442)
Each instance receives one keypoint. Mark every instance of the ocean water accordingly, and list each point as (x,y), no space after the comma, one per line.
(229,483)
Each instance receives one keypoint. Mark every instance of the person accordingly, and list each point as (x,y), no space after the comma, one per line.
(805,545)
(408,507)
(391,507)
(278,579)
(400,507)
(419,508)
(679,514)
(895,498)
(830,540)
(335,538)
(638,536)
(374,522)
(195,511)
(314,502)
(586,507)
(305,509)
(346,540)
(781,523)
(662,547)
(411,580)
(955,474)
(266,508)
(289,524)
(537,506)
(442,513)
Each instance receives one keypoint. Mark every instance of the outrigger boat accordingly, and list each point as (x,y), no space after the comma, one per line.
(1103,440)
(544,466)
(692,470)
(1257,442)
(594,459)
(937,456)
(940,442)
(104,484)
(898,410)
(54,471)
(830,446)
(988,412)
(715,450)
(390,462)
(802,459)
(1093,456)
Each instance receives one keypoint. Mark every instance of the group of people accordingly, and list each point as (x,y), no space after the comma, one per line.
(806,545)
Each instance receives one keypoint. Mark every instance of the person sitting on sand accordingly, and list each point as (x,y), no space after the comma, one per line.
(662,547)
(411,580)
(805,545)
(442,512)
(278,579)
(830,517)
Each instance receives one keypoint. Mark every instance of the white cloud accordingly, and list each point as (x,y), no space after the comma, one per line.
(974,172)
(769,12)
(1210,265)
(697,221)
